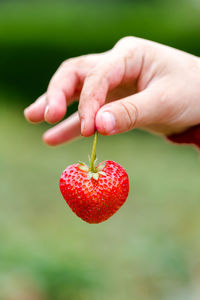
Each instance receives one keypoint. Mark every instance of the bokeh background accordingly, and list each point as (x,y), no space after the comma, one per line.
(148,250)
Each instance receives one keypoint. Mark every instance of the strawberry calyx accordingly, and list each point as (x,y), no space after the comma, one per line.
(95,173)
(93,169)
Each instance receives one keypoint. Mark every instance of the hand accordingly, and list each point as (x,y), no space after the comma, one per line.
(138,83)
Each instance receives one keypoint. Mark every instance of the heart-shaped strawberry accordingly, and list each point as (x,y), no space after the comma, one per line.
(96,192)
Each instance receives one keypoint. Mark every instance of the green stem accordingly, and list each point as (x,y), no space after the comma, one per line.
(92,167)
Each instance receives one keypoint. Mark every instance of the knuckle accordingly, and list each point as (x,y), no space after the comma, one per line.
(92,73)
(67,64)
(131,113)
(78,61)
(127,40)
(96,76)
(52,83)
(70,61)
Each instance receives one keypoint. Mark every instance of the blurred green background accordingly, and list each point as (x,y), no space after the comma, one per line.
(148,250)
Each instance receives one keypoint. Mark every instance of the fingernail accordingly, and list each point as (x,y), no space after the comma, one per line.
(46,110)
(108,122)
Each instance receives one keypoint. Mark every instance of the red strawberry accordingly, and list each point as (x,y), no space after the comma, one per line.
(94,193)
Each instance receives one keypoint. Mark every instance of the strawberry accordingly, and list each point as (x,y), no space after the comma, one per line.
(96,192)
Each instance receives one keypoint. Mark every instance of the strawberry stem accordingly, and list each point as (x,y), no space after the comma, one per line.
(92,167)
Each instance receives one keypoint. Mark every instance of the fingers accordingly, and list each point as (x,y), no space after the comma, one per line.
(63,132)
(52,106)
(35,112)
(102,78)
(66,84)
(119,66)
(60,92)
(134,111)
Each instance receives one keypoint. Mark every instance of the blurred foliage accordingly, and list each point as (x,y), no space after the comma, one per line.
(149,250)
(35,37)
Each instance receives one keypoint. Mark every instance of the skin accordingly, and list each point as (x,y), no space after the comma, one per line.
(136,84)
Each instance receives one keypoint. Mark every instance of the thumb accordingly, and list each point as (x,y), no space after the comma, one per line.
(138,110)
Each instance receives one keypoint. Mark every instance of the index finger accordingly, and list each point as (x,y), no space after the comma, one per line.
(103,77)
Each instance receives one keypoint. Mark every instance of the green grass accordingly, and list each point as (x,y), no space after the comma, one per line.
(148,250)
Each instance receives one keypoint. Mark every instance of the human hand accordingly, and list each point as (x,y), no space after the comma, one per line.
(137,84)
